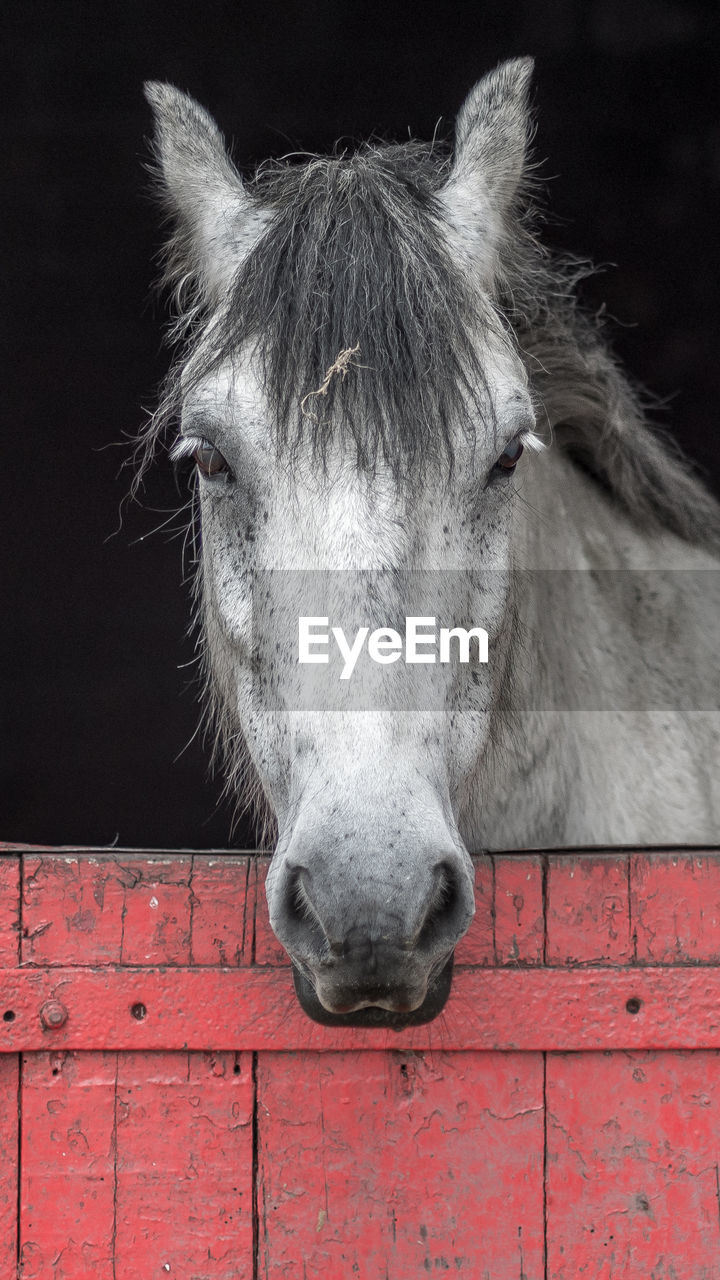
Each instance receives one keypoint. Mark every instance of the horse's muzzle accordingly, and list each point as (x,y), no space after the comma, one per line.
(373,1015)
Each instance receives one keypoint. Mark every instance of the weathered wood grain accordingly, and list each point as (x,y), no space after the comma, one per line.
(559,1121)
(632,1166)
(400,1164)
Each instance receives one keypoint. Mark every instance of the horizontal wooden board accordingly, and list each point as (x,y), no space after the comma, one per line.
(209,910)
(531,1009)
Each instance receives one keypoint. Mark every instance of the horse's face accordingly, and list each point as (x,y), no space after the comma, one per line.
(371,886)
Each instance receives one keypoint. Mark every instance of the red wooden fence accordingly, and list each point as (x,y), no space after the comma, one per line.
(167,1110)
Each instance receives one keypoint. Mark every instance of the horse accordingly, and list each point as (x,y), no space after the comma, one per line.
(384,378)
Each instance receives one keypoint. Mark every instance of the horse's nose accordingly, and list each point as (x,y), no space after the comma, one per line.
(380,945)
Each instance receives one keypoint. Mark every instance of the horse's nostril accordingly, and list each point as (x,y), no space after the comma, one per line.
(298,917)
(296,899)
(445,916)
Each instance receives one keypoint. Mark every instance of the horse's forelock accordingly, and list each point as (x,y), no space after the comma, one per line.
(360,320)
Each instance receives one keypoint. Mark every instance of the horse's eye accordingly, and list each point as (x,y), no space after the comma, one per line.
(209,459)
(509,459)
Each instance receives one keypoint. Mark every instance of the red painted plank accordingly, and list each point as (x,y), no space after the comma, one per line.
(119,908)
(508,1008)
(137,1165)
(156,910)
(588,910)
(9,910)
(102,908)
(676,907)
(72,909)
(222,910)
(67,1183)
(400,1165)
(519,911)
(184,1166)
(632,1173)
(9,1110)
(107,909)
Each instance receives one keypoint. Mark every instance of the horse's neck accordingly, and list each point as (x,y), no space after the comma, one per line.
(565,520)
(607,661)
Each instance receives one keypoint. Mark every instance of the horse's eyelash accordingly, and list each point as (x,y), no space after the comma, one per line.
(531,440)
(185,446)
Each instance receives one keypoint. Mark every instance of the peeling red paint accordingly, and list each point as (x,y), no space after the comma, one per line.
(560,1120)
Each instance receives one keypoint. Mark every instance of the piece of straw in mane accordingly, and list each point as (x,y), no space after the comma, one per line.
(343,361)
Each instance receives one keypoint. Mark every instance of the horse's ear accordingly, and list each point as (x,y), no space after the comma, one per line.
(491,138)
(215,223)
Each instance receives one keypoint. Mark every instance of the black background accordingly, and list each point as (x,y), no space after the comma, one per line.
(98,704)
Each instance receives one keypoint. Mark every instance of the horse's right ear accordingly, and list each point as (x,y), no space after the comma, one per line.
(491,137)
(215,223)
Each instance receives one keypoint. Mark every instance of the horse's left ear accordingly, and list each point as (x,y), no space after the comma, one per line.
(491,138)
(215,222)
